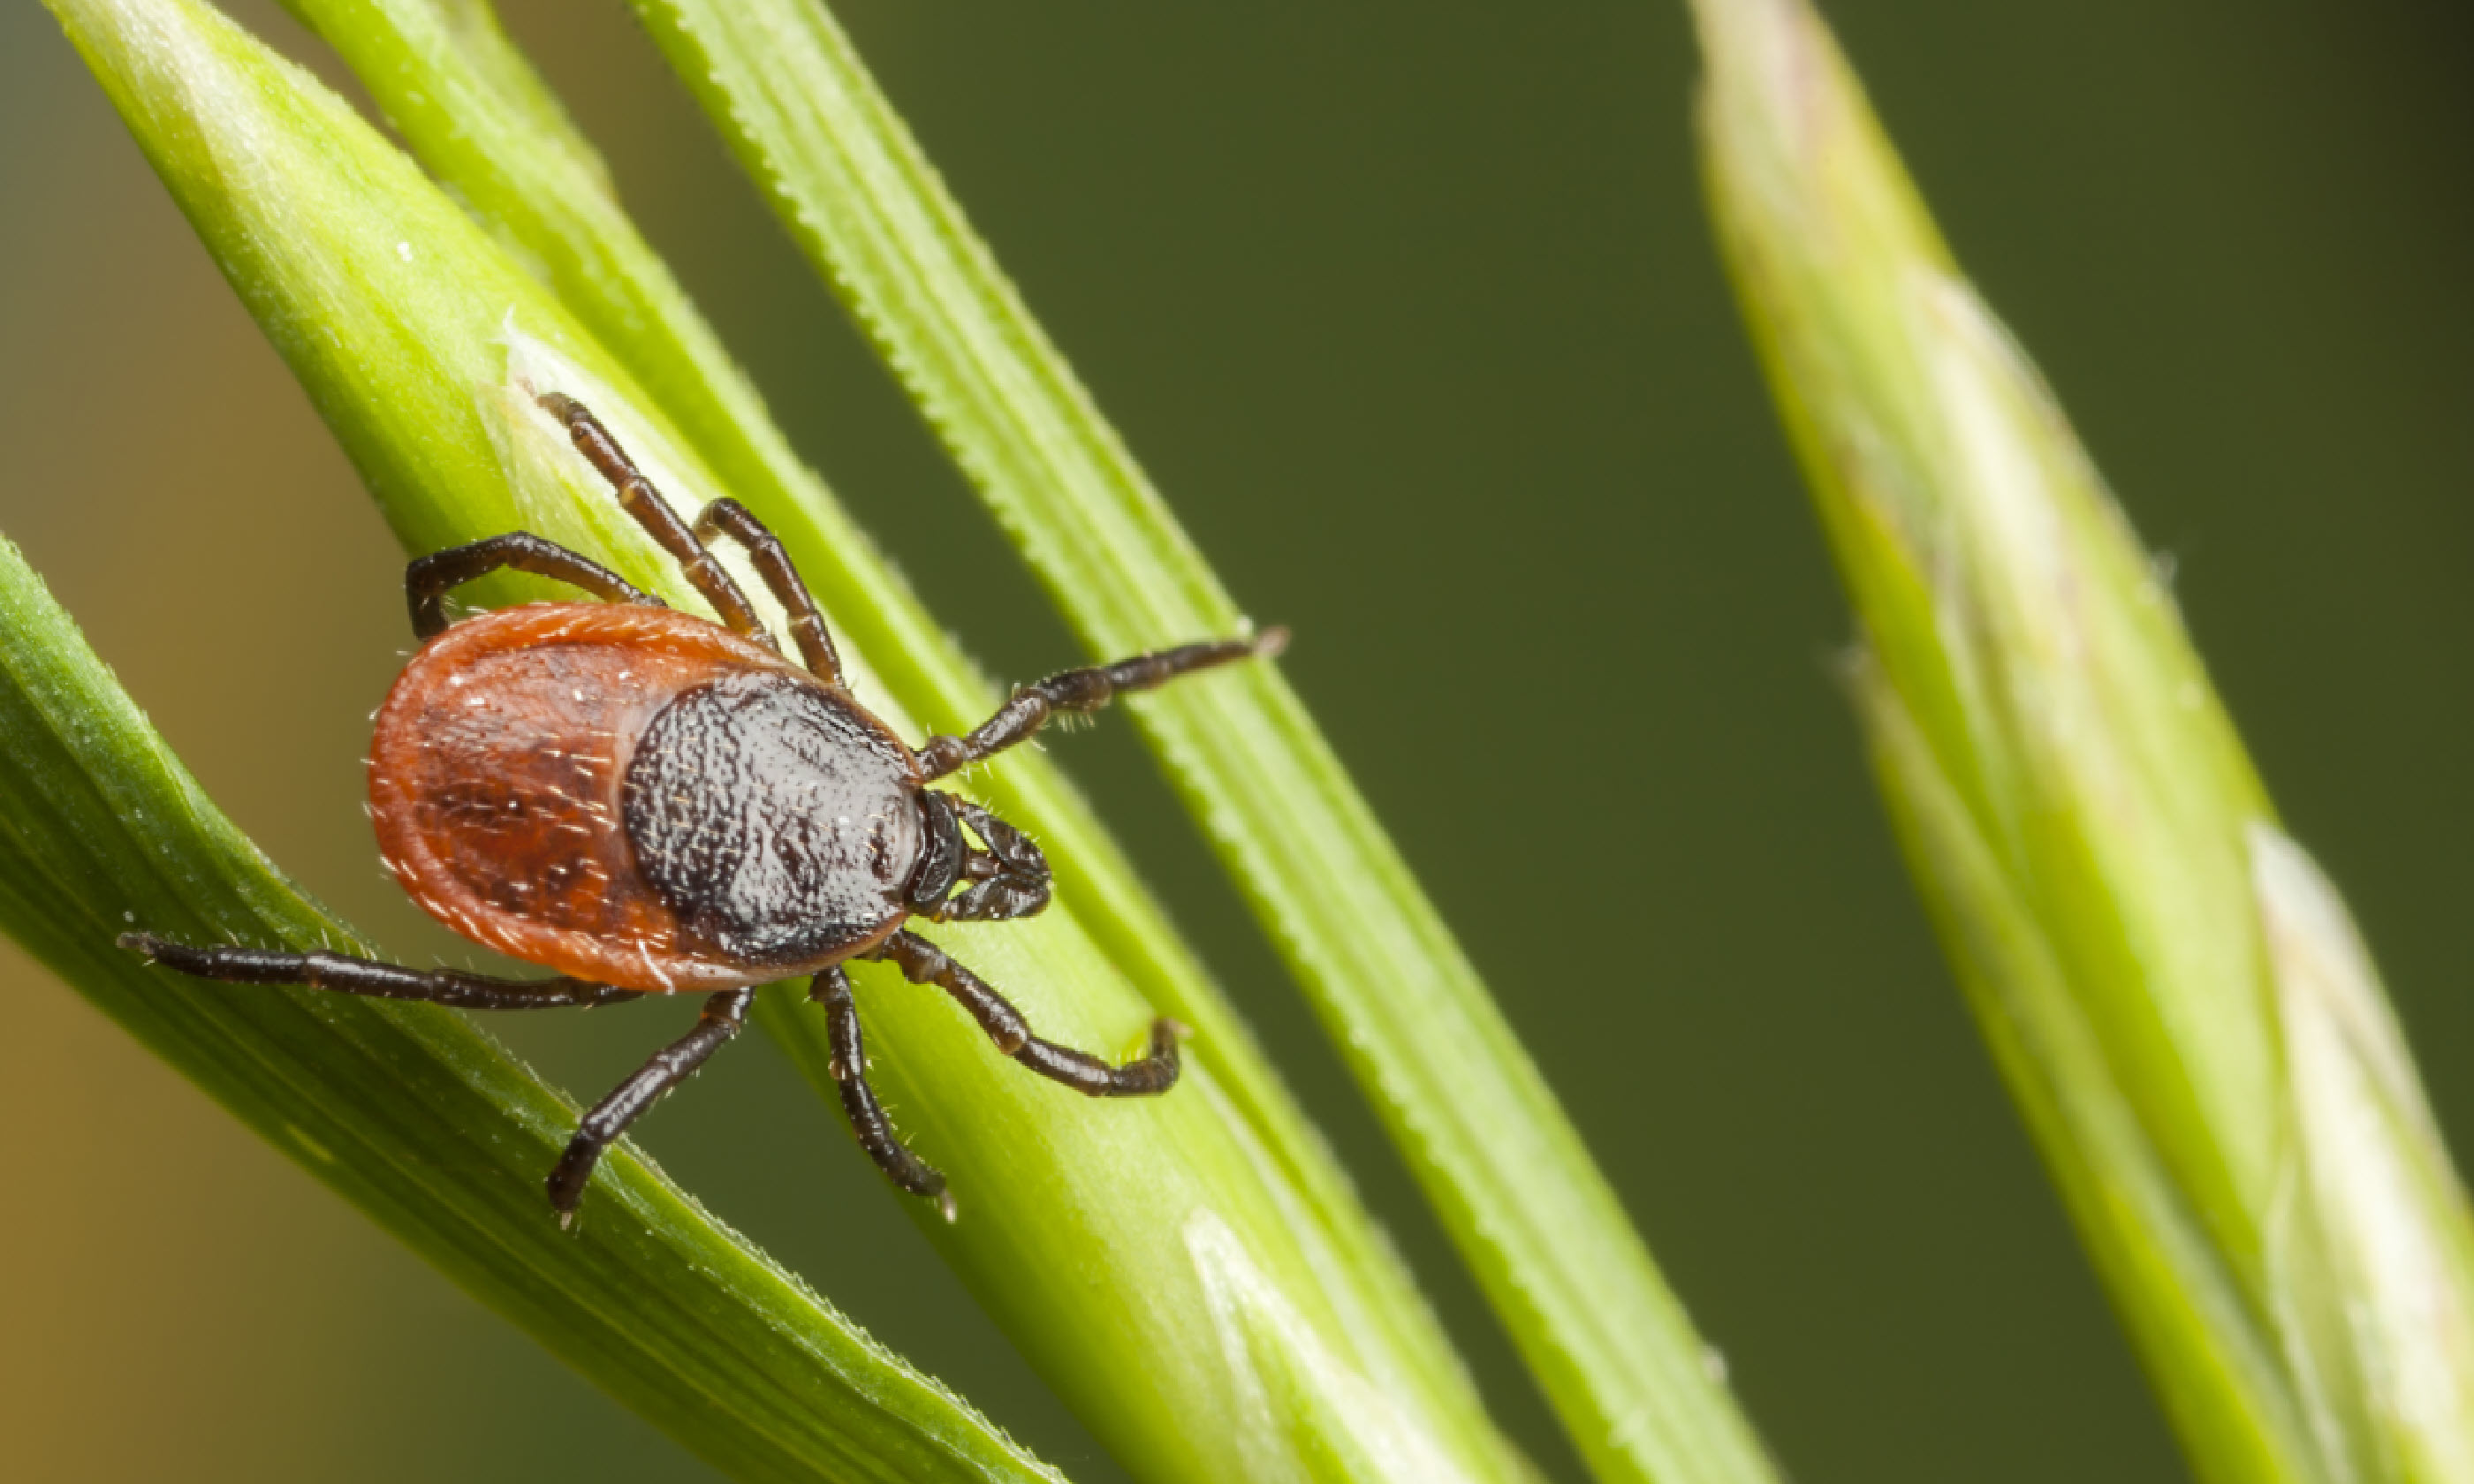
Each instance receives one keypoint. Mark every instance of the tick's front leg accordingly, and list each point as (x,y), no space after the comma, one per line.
(1087,691)
(922,962)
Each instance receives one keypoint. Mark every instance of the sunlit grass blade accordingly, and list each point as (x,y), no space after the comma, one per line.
(2176,996)
(1154,1258)
(475,111)
(1513,1185)
(416,1117)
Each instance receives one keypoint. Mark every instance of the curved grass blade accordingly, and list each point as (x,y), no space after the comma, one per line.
(419,1119)
(2175,995)
(1151,1257)
(475,111)
(1512,1181)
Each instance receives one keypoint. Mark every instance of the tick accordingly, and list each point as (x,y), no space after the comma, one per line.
(649,802)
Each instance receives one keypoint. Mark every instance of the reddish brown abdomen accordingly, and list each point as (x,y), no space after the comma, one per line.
(495,779)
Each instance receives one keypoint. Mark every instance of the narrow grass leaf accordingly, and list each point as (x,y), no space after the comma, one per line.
(472,108)
(424,343)
(2176,996)
(1511,1179)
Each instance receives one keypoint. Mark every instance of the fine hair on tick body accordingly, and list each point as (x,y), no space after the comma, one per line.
(648,803)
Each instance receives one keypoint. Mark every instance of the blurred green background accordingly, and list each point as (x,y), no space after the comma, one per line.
(1411,310)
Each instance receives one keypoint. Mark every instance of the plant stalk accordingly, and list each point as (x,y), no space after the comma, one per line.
(2176,996)
(1513,1185)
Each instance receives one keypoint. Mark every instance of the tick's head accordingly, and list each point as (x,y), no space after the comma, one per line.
(1001,873)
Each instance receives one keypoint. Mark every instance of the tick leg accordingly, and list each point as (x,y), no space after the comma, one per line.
(427,580)
(1085,691)
(723,1015)
(922,962)
(728,518)
(832,989)
(639,499)
(349,975)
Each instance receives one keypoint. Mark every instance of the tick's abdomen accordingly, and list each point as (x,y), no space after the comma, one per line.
(500,779)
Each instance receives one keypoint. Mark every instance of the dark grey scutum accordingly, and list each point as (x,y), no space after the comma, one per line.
(777,820)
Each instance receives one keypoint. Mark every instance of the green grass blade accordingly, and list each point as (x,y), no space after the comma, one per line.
(1514,1183)
(480,118)
(2177,998)
(419,1119)
(1155,1259)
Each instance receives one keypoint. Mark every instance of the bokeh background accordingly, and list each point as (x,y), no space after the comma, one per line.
(1411,309)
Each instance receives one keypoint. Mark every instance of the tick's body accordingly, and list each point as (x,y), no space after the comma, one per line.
(639,797)
(649,802)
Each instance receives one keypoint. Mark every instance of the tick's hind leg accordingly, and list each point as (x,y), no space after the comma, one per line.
(348,975)
(724,1013)
(832,989)
(427,580)
(922,962)
(1087,691)
(641,500)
